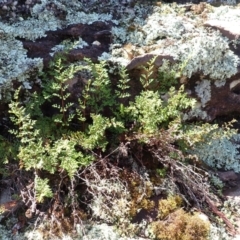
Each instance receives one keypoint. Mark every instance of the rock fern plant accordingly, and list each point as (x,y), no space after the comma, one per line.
(62,149)
(56,157)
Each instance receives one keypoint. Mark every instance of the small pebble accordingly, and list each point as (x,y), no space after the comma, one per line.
(96,43)
(13,14)
(4,7)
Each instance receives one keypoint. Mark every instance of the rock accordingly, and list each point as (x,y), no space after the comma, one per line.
(224,100)
(204,217)
(89,33)
(176,37)
(229,29)
(143,59)
(227,176)
(5,196)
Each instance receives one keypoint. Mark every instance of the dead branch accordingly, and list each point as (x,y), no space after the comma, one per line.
(194,184)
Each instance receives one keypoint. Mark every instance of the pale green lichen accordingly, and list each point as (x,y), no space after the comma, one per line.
(163,26)
(67,44)
(15,64)
(196,113)
(203,90)
(220,153)
(219,83)
(207,52)
(110,199)
(4,233)
(201,50)
(115,57)
(219,233)
(81,17)
(225,13)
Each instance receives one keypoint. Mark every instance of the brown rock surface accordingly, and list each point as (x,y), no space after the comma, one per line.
(227,176)
(228,29)
(224,100)
(89,33)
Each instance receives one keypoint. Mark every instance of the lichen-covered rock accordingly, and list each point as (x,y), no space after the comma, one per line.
(128,34)
(28,43)
(15,64)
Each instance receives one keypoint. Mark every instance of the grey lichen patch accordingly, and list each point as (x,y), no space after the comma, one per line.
(203,90)
(67,44)
(4,233)
(220,83)
(196,113)
(223,2)
(73,11)
(163,26)
(84,232)
(32,28)
(220,153)
(198,48)
(81,17)
(112,196)
(15,64)
(35,28)
(207,52)
(116,56)
(225,13)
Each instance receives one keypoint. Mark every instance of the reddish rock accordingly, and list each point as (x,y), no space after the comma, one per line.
(143,59)
(225,100)
(99,31)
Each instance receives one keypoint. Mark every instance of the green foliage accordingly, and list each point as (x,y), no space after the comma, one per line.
(161,78)
(47,143)
(95,137)
(167,76)
(217,182)
(123,84)
(8,151)
(150,111)
(147,78)
(98,93)
(63,150)
(26,131)
(162,172)
(56,87)
(39,153)
(50,147)
(42,189)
